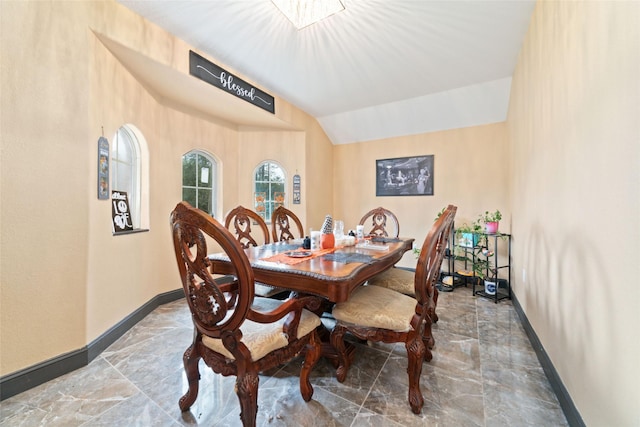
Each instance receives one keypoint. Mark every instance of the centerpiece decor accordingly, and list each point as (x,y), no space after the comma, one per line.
(327,239)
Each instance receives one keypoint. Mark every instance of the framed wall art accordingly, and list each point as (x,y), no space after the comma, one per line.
(120,212)
(103,168)
(296,189)
(405,176)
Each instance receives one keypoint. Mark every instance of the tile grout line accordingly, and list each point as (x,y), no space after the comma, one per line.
(484,400)
(141,392)
(372,385)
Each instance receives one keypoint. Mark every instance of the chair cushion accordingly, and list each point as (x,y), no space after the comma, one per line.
(260,289)
(397,279)
(377,307)
(263,338)
(266,291)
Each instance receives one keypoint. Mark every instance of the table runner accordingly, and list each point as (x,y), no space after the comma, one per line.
(284,259)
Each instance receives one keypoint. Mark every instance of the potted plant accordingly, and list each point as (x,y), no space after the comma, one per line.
(469,236)
(488,275)
(491,221)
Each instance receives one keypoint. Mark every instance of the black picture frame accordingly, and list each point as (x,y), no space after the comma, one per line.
(405,176)
(120,212)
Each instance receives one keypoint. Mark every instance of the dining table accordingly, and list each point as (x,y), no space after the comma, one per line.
(331,274)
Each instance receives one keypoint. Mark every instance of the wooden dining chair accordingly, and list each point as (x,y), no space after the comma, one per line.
(282,220)
(236,333)
(375,313)
(380,222)
(239,221)
(402,280)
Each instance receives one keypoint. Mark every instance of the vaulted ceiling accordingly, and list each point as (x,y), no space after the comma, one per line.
(378,69)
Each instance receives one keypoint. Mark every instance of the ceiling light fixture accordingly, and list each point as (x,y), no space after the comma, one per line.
(303,13)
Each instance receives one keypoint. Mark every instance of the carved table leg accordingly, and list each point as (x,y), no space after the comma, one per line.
(311,358)
(344,359)
(190,360)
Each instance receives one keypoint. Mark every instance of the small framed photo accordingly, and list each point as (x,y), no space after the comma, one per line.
(405,176)
(103,168)
(467,240)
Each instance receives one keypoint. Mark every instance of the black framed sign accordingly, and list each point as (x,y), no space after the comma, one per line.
(222,79)
(405,176)
(120,213)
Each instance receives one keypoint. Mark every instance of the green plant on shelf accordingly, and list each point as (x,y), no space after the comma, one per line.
(478,257)
(472,248)
(487,216)
(470,235)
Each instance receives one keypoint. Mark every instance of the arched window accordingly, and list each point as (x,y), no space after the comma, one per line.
(268,183)
(126,170)
(199,172)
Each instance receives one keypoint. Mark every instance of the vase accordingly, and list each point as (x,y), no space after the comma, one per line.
(489,287)
(491,227)
(327,241)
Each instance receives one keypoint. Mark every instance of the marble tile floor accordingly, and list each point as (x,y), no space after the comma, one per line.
(483,373)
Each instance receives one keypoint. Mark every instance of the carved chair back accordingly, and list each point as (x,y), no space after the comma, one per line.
(282,221)
(382,223)
(240,221)
(205,296)
(431,257)
(223,309)
(376,313)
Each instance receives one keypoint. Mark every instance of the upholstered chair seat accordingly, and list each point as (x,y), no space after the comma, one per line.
(397,279)
(377,307)
(263,338)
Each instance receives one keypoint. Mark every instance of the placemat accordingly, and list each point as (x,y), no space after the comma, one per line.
(386,239)
(283,258)
(282,246)
(349,258)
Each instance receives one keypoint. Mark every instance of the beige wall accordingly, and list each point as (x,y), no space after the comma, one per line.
(286,148)
(575,142)
(470,171)
(65,279)
(563,170)
(44,215)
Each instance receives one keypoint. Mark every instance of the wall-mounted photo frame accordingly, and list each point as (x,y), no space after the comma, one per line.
(296,189)
(103,168)
(405,176)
